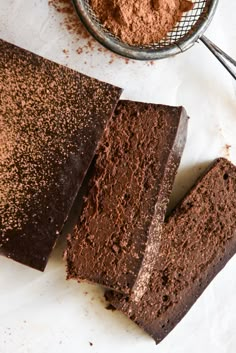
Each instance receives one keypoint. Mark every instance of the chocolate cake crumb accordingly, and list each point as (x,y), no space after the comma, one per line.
(116,238)
(197,241)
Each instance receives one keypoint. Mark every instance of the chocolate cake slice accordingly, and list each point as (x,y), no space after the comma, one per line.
(197,241)
(117,236)
(51,119)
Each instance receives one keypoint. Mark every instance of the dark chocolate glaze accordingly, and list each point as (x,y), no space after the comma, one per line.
(117,236)
(198,239)
(52,119)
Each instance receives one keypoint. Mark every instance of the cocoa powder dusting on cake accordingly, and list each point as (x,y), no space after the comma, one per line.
(31,138)
(50,117)
(140,21)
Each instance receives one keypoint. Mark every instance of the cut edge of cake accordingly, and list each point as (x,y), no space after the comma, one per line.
(155,229)
(124,303)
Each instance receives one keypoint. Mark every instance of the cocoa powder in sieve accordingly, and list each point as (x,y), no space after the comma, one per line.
(139,22)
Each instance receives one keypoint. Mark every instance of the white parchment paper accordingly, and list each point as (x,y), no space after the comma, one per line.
(41,312)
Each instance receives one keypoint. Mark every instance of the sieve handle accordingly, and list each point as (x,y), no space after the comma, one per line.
(225,59)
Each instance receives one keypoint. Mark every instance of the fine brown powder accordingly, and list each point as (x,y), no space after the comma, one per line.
(51,119)
(140,22)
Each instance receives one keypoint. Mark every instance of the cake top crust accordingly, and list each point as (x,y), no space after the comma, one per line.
(51,119)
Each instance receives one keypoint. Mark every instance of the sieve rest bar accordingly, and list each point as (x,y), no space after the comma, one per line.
(225,59)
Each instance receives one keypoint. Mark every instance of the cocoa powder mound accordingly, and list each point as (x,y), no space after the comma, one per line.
(140,22)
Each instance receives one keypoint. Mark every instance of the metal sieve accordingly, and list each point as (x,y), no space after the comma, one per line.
(187,31)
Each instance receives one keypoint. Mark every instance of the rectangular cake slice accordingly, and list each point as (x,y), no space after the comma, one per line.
(197,241)
(51,119)
(117,235)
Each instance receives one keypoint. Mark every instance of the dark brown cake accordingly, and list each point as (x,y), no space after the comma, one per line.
(51,119)
(117,236)
(198,240)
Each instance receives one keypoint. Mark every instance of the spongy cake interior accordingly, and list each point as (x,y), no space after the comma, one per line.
(108,244)
(198,239)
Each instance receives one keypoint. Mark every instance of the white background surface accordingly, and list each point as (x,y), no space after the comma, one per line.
(41,312)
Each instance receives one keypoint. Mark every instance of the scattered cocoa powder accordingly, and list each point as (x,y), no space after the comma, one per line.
(79,50)
(66,52)
(140,22)
(71,23)
(227,148)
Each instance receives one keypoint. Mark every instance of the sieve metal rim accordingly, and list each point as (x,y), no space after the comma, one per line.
(136,53)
